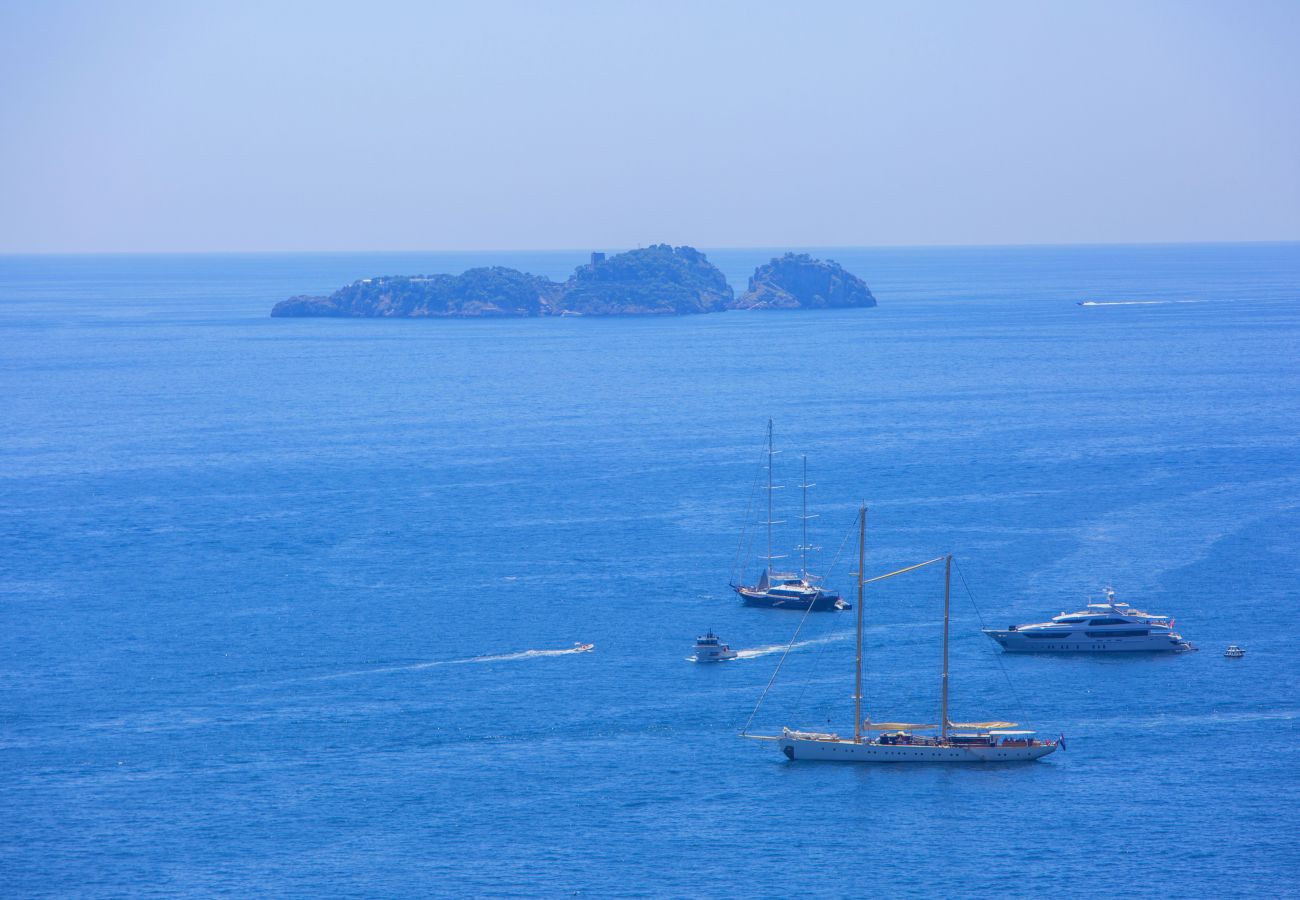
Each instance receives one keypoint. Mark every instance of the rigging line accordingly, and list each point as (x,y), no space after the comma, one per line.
(928,562)
(804,618)
(1020,707)
(742,548)
(848,533)
(776,671)
(747,533)
(816,665)
(835,560)
(817,658)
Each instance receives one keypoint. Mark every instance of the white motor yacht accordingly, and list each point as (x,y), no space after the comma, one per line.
(1234,652)
(709,648)
(1111,626)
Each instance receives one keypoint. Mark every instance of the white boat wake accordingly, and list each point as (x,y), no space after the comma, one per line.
(1137,302)
(433,664)
(524,654)
(756,652)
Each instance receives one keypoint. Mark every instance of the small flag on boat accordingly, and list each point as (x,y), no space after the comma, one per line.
(1060,739)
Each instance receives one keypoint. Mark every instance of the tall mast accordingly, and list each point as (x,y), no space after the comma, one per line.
(803,544)
(947,584)
(769,498)
(857,687)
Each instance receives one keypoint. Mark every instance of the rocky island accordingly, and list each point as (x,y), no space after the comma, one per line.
(797,281)
(495,291)
(656,280)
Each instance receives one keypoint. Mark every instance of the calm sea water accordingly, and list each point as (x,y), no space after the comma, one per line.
(277,593)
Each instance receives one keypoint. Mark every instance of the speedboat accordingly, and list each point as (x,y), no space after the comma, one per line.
(1234,652)
(1111,626)
(579,647)
(709,648)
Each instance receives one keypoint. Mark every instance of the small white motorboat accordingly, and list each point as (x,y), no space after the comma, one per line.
(579,647)
(1234,652)
(709,648)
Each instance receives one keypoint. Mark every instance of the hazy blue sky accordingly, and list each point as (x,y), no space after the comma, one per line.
(315,126)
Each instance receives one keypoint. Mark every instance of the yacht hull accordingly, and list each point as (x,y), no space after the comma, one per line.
(840,750)
(1019,642)
(824,603)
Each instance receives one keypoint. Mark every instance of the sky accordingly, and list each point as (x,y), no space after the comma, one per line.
(279,126)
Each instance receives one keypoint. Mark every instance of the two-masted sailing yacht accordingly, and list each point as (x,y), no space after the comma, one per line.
(788,590)
(898,741)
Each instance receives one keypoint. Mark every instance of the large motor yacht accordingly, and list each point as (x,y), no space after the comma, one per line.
(1111,626)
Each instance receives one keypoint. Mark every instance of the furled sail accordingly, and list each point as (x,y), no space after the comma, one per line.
(894,726)
(913,726)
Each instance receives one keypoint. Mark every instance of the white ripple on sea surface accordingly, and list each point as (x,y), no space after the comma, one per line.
(1162,721)
(1132,547)
(1143,302)
(431,664)
(755,652)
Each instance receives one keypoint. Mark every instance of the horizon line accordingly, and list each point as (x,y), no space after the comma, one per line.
(768,247)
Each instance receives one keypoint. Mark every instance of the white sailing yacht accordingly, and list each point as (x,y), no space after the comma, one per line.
(954,742)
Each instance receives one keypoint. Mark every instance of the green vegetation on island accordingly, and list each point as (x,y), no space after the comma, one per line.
(495,291)
(797,281)
(656,280)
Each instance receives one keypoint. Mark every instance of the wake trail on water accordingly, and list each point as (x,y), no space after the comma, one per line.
(1212,717)
(469,660)
(756,652)
(1138,302)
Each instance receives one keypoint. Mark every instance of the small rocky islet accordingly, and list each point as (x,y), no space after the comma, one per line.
(656,280)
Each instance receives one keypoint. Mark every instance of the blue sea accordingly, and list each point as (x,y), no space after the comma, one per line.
(287,603)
